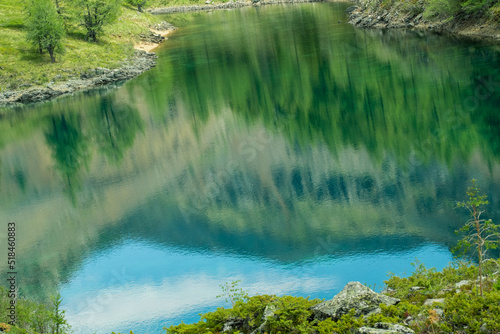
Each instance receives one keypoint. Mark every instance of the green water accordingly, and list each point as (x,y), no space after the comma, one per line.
(273,145)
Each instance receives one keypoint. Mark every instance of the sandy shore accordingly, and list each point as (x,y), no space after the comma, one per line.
(149,46)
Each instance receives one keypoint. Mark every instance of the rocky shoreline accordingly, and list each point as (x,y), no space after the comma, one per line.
(140,62)
(226,5)
(362,15)
(366,16)
(357,301)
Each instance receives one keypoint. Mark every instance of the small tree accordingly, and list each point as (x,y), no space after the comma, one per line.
(139,3)
(58,314)
(232,293)
(97,13)
(482,234)
(45,28)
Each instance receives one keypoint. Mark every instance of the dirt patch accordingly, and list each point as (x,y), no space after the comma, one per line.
(157,34)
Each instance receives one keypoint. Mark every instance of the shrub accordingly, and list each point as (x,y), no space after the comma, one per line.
(45,28)
(95,14)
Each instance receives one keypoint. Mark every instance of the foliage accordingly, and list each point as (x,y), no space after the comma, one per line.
(97,13)
(482,234)
(291,315)
(345,325)
(441,8)
(232,293)
(58,314)
(44,27)
(477,6)
(34,317)
(140,4)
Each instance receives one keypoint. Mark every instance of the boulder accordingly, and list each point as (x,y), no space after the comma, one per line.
(429,302)
(385,328)
(351,9)
(268,312)
(354,296)
(462,283)
(233,323)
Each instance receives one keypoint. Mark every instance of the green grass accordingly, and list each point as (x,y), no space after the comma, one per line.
(21,66)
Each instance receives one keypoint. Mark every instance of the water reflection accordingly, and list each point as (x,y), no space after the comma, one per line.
(269,144)
(135,286)
(70,150)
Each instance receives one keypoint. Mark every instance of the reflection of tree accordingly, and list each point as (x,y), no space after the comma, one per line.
(394,91)
(70,149)
(116,125)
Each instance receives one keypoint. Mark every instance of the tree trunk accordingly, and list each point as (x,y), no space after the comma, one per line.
(51,53)
(40,48)
(92,36)
(479,248)
(139,8)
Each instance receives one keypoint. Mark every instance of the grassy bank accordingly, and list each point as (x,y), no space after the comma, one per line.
(22,67)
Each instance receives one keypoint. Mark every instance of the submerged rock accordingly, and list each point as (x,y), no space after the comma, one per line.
(354,296)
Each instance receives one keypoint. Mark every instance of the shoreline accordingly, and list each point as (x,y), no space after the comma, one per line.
(141,61)
(208,6)
(462,25)
(360,15)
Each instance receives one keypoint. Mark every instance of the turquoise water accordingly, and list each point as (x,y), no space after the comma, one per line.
(270,145)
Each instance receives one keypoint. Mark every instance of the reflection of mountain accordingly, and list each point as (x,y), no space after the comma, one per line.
(252,148)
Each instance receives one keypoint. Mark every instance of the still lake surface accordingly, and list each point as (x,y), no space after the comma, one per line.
(270,145)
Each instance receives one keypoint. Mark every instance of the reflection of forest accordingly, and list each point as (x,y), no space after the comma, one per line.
(385,90)
(267,144)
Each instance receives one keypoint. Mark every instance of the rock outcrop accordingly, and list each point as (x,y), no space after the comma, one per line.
(367,16)
(354,296)
(385,328)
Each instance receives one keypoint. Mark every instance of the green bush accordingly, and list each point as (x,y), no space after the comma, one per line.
(33,317)
(441,9)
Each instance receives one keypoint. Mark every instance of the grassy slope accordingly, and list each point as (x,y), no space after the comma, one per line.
(21,66)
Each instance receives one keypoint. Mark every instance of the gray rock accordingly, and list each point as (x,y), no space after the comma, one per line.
(38,94)
(96,78)
(439,312)
(351,9)
(416,288)
(430,302)
(444,291)
(233,324)
(354,296)
(268,312)
(462,283)
(385,328)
